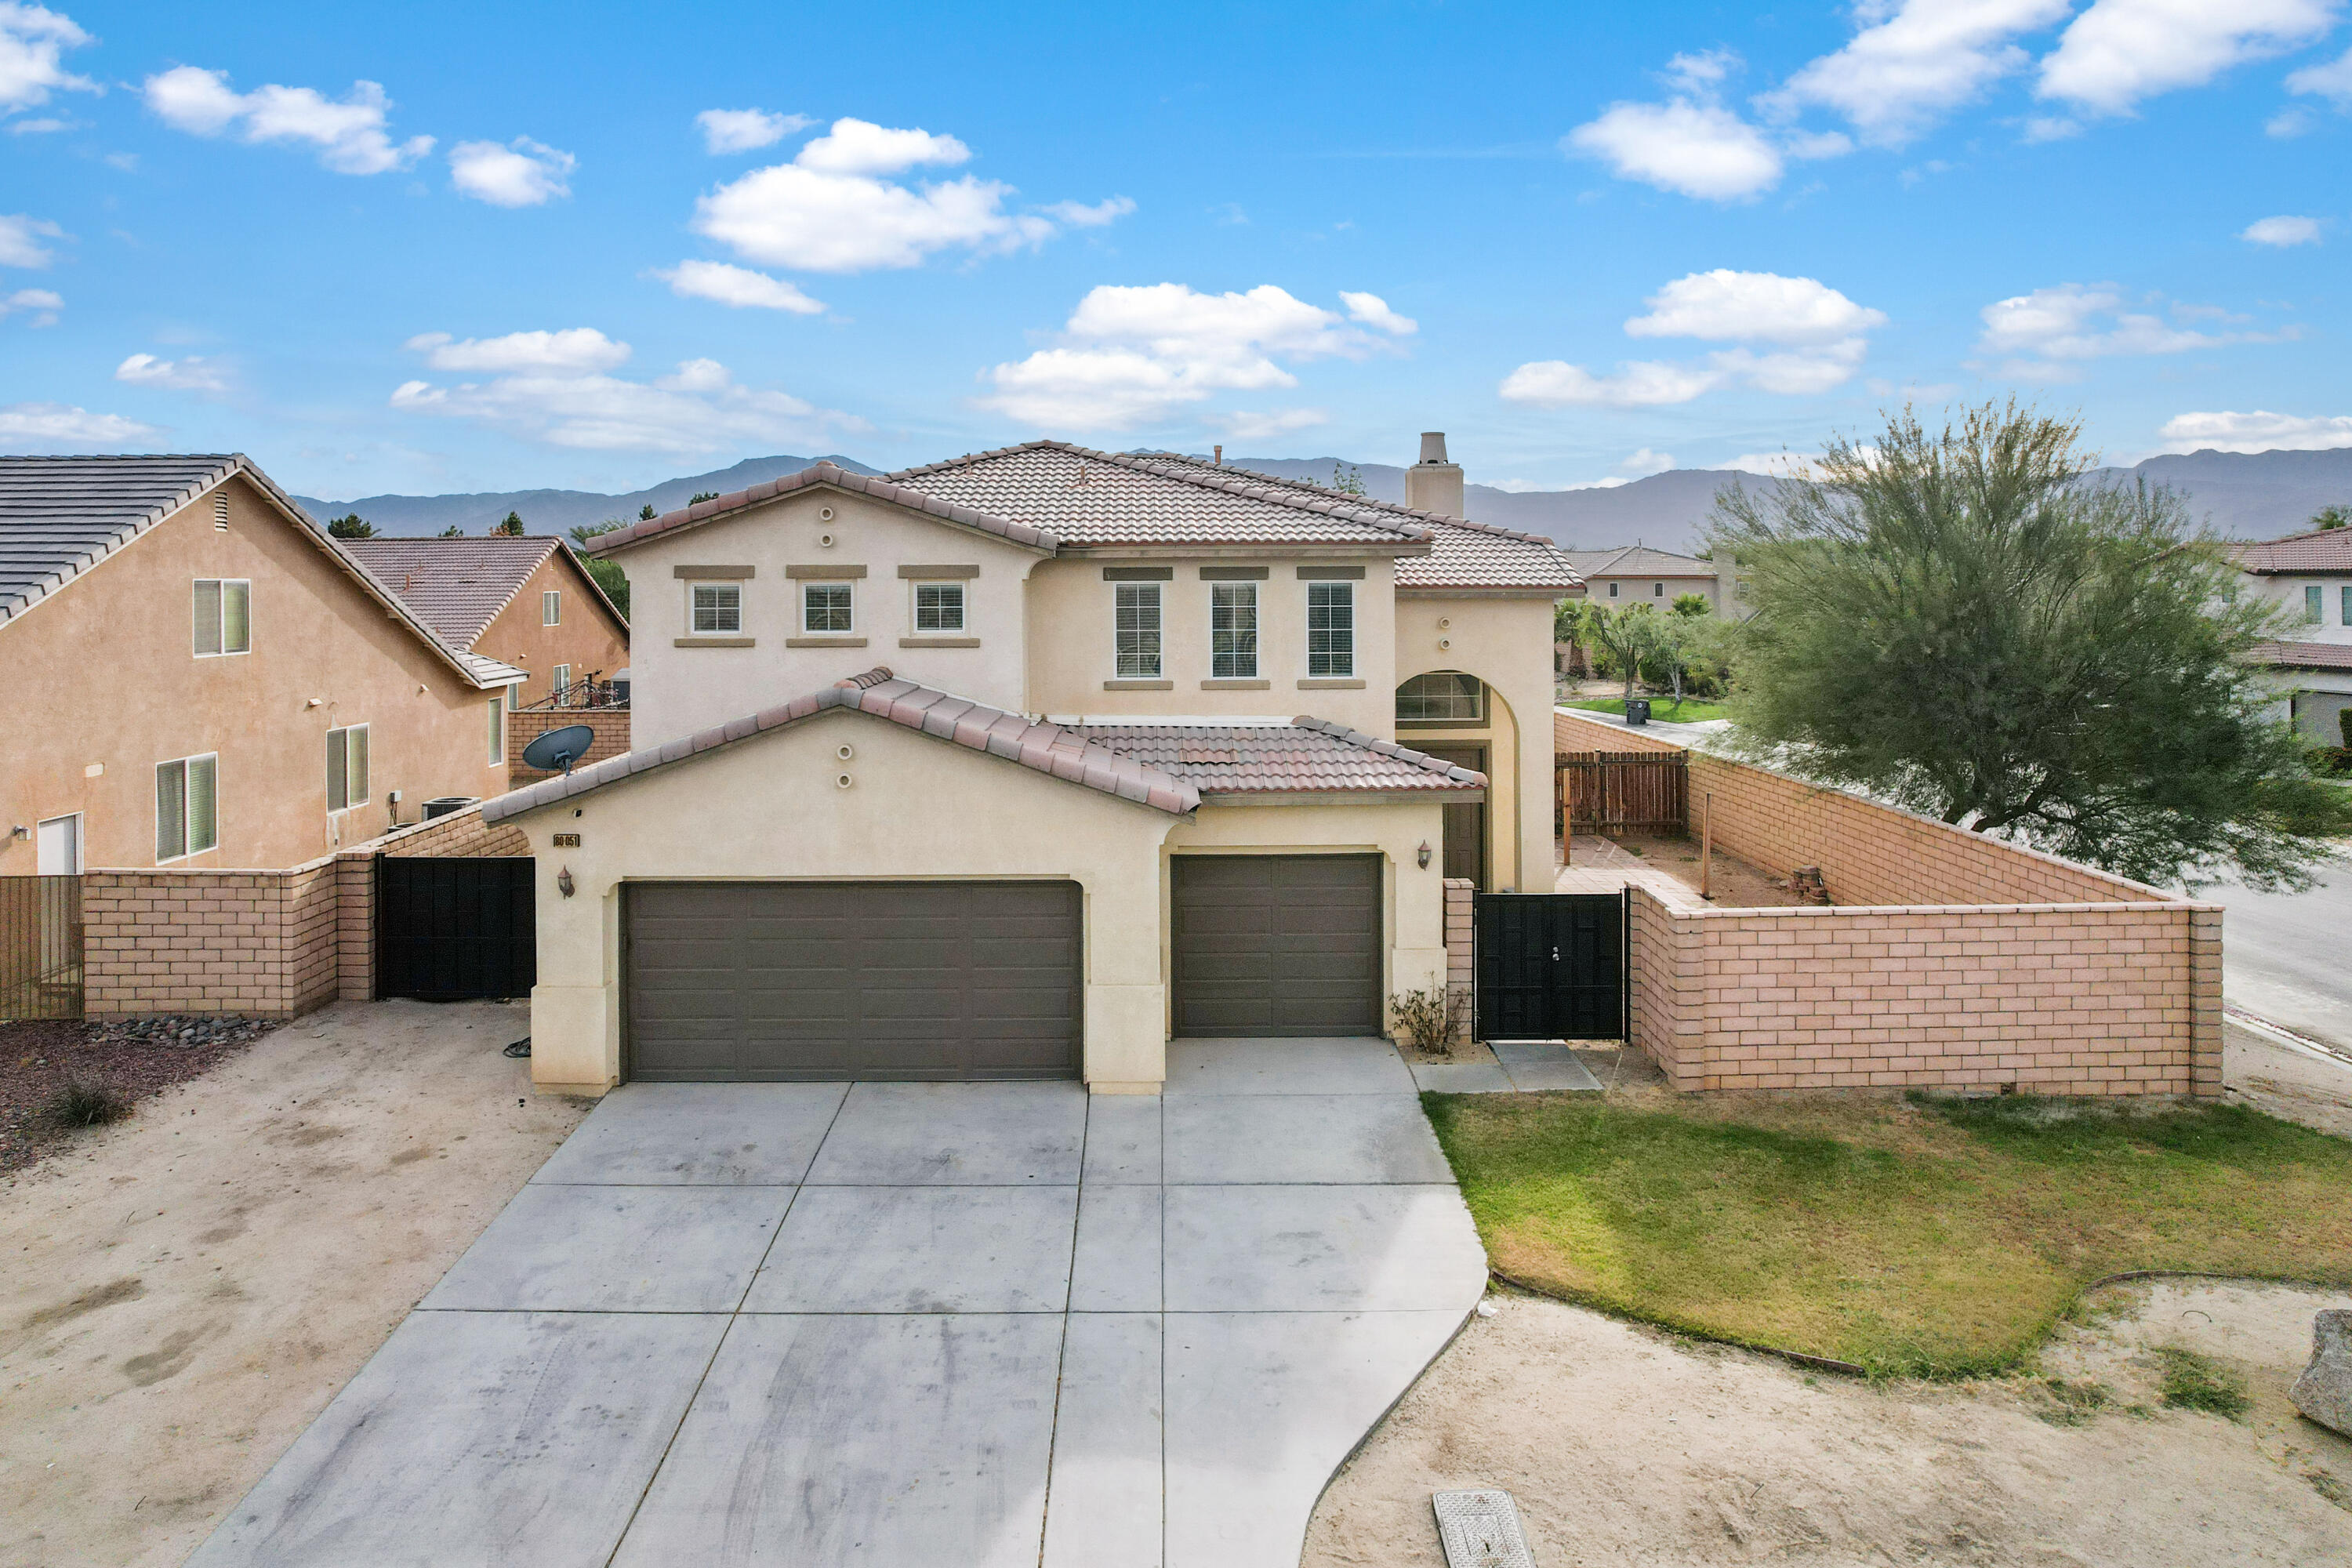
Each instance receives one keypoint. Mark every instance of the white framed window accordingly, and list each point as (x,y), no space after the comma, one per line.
(497,729)
(2345,610)
(718,607)
(57,848)
(551,607)
(347,767)
(1657,590)
(1330,630)
(1233,631)
(1612,590)
(187,806)
(2311,599)
(938,606)
(825,609)
(1136,634)
(1441,697)
(221,612)
(559,680)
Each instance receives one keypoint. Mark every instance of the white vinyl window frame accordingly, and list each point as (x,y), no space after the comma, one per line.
(187,806)
(715,609)
(1135,628)
(1331,631)
(497,728)
(551,607)
(937,609)
(1233,631)
(559,680)
(347,767)
(1612,590)
(58,846)
(220,615)
(2313,595)
(828,608)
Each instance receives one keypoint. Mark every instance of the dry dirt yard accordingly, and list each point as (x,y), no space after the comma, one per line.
(180,1293)
(1624,1446)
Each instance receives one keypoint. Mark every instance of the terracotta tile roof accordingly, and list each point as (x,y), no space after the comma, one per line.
(2322,550)
(1638,560)
(457,586)
(1091,500)
(824,474)
(2302,655)
(1304,755)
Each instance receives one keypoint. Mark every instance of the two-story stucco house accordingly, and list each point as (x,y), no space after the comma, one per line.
(2309,577)
(1018,764)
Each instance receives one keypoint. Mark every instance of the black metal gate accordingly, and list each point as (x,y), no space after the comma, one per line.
(1551,966)
(451,927)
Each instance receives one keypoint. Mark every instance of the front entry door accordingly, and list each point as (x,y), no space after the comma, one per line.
(1551,966)
(1465,821)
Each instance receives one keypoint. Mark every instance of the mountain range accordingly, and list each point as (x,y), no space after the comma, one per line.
(2241,495)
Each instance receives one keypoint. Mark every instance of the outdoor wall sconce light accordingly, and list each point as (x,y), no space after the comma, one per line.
(563,881)
(20,831)
(1421,854)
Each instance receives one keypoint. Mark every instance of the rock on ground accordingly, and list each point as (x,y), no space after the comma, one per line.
(2323,1391)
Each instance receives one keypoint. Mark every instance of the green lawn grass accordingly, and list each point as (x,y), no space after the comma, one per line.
(1941,1238)
(1691,710)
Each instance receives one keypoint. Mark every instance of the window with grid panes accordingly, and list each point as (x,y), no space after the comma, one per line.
(1136,632)
(1233,631)
(938,606)
(825,607)
(1330,630)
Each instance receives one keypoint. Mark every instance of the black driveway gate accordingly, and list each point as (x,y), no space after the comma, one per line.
(451,927)
(1551,966)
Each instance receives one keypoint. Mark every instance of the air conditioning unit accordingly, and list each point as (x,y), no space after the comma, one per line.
(443,805)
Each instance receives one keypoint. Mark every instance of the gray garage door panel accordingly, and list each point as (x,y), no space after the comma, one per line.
(807,981)
(1277,944)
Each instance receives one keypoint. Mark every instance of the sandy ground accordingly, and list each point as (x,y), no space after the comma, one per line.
(2295,1085)
(1626,1446)
(184,1292)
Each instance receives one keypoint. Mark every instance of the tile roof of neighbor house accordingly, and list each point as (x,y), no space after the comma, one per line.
(60,516)
(2302,655)
(2321,550)
(1169,767)
(458,586)
(1638,560)
(822,474)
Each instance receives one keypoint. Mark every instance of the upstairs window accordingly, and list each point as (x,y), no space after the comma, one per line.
(551,609)
(1443,696)
(1137,631)
(825,609)
(938,606)
(222,616)
(347,767)
(1233,631)
(1657,590)
(187,806)
(1612,590)
(718,607)
(2311,599)
(1330,630)
(2345,610)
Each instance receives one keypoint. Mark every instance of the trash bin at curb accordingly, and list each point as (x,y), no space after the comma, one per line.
(1637,711)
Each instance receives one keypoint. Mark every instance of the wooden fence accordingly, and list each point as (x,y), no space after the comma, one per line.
(40,947)
(1644,792)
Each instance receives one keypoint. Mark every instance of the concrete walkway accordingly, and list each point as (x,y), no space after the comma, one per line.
(971,1324)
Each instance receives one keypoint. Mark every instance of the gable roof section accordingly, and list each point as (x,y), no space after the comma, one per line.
(2321,550)
(832,474)
(1637,561)
(1304,755)
(459,586)
(60,516)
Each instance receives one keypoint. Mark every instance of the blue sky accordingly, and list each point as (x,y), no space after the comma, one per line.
(439,247)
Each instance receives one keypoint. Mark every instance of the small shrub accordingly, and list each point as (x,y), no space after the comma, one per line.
(2193,1382)
(2328,1487)
(1431,1018)
(2072,1403)
(80,1103)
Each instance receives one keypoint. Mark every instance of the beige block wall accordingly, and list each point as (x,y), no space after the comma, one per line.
(1461,949)
(523,727)
(1573,732)
(1506,643)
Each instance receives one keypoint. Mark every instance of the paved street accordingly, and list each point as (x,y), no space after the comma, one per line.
(2287,957)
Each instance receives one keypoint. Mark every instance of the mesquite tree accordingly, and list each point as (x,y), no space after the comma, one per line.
(1959,622)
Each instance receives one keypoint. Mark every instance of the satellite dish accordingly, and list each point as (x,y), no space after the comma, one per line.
(559,748)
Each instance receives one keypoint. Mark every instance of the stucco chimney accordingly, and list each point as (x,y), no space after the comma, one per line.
(1433,484)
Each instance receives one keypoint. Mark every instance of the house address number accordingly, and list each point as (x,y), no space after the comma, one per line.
(567,841)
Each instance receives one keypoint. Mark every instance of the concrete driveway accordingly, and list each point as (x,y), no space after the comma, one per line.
(893,1324)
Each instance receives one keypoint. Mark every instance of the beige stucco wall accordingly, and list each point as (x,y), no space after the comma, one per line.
(1641,589)
(1071,645)
(589,638)
(676,691)
(1506,643)
(102,685)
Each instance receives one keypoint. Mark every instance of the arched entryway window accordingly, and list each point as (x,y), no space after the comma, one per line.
(1449,715)
(1445,696)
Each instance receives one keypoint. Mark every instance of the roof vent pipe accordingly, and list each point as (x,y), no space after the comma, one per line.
(1220,451)
(1433,484)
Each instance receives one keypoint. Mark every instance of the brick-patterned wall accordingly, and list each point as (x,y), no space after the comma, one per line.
(1461,929)
(461,835)
(527,724)
(1570,733)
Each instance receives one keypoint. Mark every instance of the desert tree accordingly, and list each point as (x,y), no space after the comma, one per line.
(607,573)
(351,525)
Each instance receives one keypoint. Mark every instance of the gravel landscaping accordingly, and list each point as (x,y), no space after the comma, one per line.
(128,1061)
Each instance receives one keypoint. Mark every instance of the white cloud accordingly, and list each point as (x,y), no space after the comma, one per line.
(862,147)
(45,125)
(350,134)
(2045,334)
(1642,464)
(20,240)
(1132,356)
(2259,431)
(45,427)
(1914,61)
(1373,311)
(523,174)
(1693,148)
(1771,465)
(1270,424)
(556,391)
(33,42)
(1644,383)
(2332,80)
(1078,215)
(190,374)
(738,286)
(2293,121)
(2052,128)
(2120,51)
(2282,231)
(573,350)
(44,304)
(742,130)
(1752,306)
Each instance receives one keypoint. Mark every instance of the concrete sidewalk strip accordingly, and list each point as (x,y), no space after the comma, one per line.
(920,1249)
(478,1440)
(710,1134)
(616,1249)
(1537,1066)
(1120,1250)
(1256,1140)
(1462,1077)
(1284,1067)
(1321,1249)
(1106,1508)
(870,1440)
(955,1135)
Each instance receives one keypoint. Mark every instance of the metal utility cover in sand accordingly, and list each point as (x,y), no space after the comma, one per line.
(1481,1529)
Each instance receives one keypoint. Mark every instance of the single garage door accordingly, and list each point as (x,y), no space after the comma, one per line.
(1277,944)
(802,981)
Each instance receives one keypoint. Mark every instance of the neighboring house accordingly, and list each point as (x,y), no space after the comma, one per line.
(2310,576)
(522,599)
(1636,575)
(198,676)
(1015,766)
